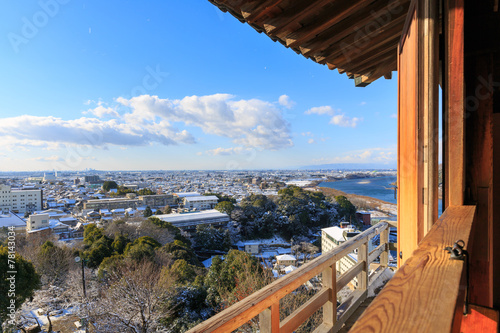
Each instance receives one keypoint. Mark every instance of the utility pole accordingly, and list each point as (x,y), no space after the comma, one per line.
(78,259)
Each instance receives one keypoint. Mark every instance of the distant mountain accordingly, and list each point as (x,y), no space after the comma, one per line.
(350,166)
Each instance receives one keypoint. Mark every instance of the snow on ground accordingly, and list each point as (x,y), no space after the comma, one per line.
(389,208)
(274,240)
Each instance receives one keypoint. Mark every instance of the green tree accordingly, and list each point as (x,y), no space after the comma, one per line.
(148,212)
(119,243)
(232,279)
(145,191)
(142,248)
(97,245)
(179,250)
(170,227)
(182,272)
(225,207)
(26,281)
(108,185)
(210,238)
(53,262)
(346,208)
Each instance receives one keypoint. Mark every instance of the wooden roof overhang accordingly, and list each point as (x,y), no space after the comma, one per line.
(356,37)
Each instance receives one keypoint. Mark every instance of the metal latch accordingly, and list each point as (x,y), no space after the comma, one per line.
(457,252)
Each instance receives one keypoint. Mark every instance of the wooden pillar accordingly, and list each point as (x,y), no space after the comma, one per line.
(453,104)
(482,188)
(363,276)
(418,131)
(384,239)
(329,277)
(269,319)
(429,121)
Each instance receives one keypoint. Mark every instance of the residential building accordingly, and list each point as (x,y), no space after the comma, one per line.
(334,236)
(158,200)
(113,203)
(20,200)
(92,179)
(364,217)
(200,202)
(286,260)
(37,221)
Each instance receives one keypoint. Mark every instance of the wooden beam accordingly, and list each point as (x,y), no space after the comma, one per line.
(347,277)
(293,15)
(345,28)
(377,72)
(425,292)
(378,251)
(379,57)
(254,12)
(351,303)
(353,44)
(306,310)
(339,11)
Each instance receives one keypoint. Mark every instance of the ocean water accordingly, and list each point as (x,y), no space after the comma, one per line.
(378,188)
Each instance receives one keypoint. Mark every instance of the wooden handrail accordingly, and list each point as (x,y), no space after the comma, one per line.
(426,293)
(269,296)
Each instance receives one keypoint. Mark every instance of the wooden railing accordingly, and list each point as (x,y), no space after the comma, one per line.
(265,302)
(427,293)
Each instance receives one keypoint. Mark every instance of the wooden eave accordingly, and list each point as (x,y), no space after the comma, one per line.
(357,37)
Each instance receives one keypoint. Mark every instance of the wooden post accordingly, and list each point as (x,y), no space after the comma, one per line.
(384,239)
(329,277)
(429,122)
(453,100)
(363,256)
(269,319)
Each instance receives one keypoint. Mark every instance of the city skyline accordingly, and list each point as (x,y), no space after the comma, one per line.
(172,86)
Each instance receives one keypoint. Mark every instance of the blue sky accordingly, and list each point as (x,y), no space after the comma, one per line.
(174,85)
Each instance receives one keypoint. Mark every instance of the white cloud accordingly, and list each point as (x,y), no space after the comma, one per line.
(55,132)
(53,158)
(284,100)
(102,111)
(250,123)
(321,110)
(149,119)
(394,115)
(311,141)
(344,121)
(337,118)
(370,155)
(228,151)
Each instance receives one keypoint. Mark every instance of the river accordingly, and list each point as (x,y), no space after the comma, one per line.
(377,187)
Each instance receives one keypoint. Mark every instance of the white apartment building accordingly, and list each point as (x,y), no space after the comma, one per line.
(335,236)
(21,200)
(200,202)
(37,221)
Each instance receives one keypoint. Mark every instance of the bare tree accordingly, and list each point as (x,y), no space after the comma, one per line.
(132,300)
